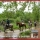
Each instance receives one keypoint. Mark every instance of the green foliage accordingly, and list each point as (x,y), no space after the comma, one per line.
(36,12)
(25,33)
(28,32)
(11,11)
(18,19)
(1,4)
(1,28)
(15,26)
(20,14)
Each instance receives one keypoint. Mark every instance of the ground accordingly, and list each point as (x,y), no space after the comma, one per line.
(9,33)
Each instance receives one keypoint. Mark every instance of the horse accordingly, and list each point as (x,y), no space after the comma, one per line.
(30,24)
(35,24)
(6,26)
(21,25)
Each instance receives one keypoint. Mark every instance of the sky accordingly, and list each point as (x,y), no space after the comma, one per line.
(19,6)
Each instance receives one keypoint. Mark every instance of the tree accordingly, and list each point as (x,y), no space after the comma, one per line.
(36,12)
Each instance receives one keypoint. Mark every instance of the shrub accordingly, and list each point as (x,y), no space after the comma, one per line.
(25,33)
(28,32)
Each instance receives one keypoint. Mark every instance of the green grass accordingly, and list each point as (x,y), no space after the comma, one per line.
(26,33)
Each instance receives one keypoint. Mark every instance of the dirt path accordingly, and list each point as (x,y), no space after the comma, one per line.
(10,34)
(14,34)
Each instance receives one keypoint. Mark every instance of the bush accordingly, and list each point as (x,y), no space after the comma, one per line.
(22,34)
(25,33)
(18,19)
(28,32)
